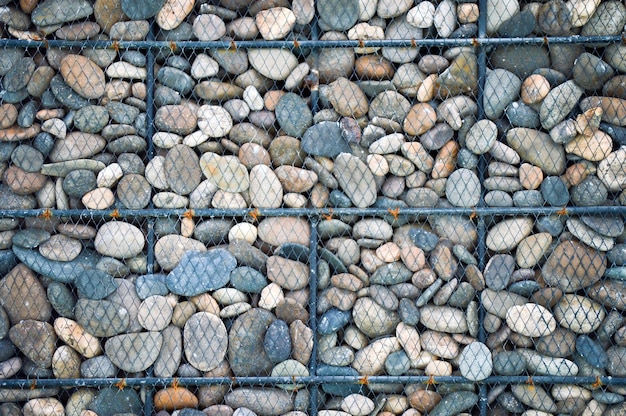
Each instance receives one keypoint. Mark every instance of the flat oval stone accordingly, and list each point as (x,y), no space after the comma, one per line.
(83,76)
(102,318)
(579,314)
(134,352)
(119,239)
(200,272)
(76,337)
(282,62)
(373,319)
(246,353)
(592,351)
(205,340)
(277,341)
(94,284)
(573,266)
(531,320)
(507,234)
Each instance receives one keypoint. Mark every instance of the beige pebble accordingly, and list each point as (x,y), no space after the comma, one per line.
(76,337)
(530,176)
(271,296)
(294,200)
(47,406)
(438,368)
(413,258)
(388,252)
(206,303)
(109,176)
(467,13)
(99,198)
(187,226)
(377,164)
(534,89)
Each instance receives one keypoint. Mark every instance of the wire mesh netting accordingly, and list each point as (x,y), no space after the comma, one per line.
(331,207)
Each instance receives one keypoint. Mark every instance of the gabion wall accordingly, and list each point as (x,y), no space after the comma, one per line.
(331,207)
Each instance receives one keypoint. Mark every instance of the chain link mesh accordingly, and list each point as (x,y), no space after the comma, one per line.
(331,207)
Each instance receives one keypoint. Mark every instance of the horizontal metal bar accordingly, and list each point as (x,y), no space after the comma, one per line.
(309,44)
(313,212)
(309,380)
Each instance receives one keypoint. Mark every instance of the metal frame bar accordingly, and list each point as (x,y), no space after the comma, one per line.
(481,213)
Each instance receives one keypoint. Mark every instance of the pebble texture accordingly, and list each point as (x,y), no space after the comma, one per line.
(240,131)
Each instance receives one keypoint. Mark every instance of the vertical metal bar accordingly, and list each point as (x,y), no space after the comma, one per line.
(314,88)
(313,388)
(482,168)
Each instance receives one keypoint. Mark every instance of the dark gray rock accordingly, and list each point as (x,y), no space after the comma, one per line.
(590,192)
(94,284)
(246,353)
(200,272)
(592,351)
(324,139)
(61,271)
(112,401)
(148,285)
(78,182)
(248,280)
(62,299)
(293,114)
(176,79)
(554,191)
(333,320)
(277,341)
(65,95)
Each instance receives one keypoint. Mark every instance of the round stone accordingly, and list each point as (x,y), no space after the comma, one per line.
(206,341)
(463,188)
(119,239)
(475,361)
(531,320)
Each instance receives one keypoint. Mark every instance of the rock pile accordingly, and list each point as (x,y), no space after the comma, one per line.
(108,128)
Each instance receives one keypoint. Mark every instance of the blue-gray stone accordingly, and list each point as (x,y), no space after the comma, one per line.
(609,226)
(248,280)
(508,363)
(14,97)
(8,56)
(408,311)
(338,199)
(592,351)
(436,137)
(554,191)
(134,58)
(590,192)
(462,296)
(391,274)
(200,272)
(30,237)
(332,228)
(128,144)
(617,133)
(66,95)
(246,354)
(102,318)
(48,100)
(616,273)
(333,261)
(324,139)
(509,402)
(6,149)
(528,198)
(26,115)
(141,125)
(12,200)
(148,285)
(7,261)
(607,397)
(98,367)
(293,251)
(52,12)
(191,412)
(78,182)
(338,389)
(522,60)
(467,159)
(111,401)
(122,113)
(7,349)
(166,96)
(519,25)
(522,115)
(176,79)
(61,271)
(178,62)
(62,299)
(454,403)
(397,363)
(524,288)
(277,341)
(18,76)
(551,225)
(94,284)
(212,232)
(617,255)
(293,115)
(44,142)
(182,32)
(423,239)
(333,320)
(463,254)
(465,31)
(27,158)
(141,9)
(498,271)
(329,13)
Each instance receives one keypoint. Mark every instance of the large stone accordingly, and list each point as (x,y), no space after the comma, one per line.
(573,266)
(246,353)
(52,12)
(36,340)
(205,340)
(83,76)
(119,239)
(355,179)
(373,319)
(261,401)
(102,318)
(23,297)
(537,148)
(200,272)
(134,352)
